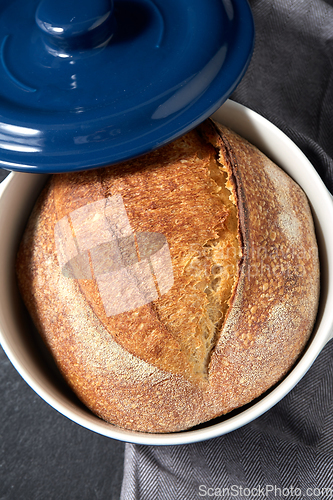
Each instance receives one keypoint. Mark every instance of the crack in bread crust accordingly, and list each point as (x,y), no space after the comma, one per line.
(152,369)
(215,269)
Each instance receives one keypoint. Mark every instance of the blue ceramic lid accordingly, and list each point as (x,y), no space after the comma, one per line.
(87,83)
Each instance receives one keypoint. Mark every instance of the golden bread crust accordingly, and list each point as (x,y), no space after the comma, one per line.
(151,368)
(276,299)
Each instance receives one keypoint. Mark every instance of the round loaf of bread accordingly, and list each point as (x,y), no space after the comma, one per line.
(176,287)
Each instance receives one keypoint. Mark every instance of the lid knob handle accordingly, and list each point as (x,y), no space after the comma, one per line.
(76,24)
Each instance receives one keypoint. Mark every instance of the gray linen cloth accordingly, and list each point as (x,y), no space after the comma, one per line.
(288,452)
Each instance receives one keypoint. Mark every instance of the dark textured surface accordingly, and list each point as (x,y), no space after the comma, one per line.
(3,174)
(44,456)
(291,446)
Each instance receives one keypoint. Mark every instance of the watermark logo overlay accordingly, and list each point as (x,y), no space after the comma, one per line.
(97,242)
(265,491)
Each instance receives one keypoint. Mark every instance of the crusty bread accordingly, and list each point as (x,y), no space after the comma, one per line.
(175,287)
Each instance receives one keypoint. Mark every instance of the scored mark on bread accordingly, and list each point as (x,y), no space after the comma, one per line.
(246,281)
(97,241)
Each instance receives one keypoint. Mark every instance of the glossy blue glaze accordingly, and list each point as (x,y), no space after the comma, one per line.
(68,26)
(87,83)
